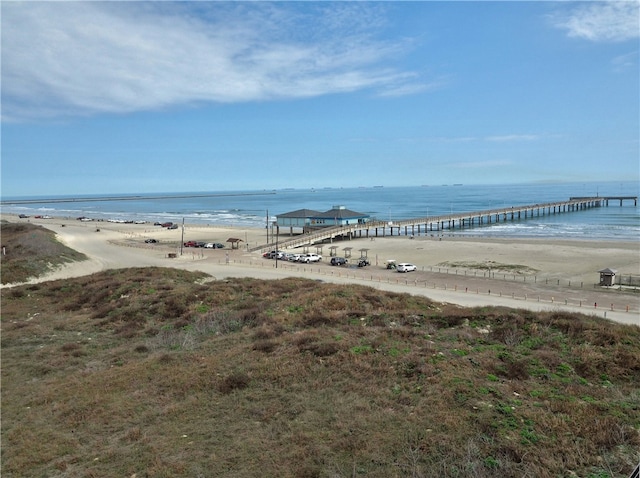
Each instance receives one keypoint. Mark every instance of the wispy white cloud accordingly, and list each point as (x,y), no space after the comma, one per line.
(493,163)
(495,138)
(625,62)
(506,138)
(410,84)
(83,58)
(512,137)
(611,21)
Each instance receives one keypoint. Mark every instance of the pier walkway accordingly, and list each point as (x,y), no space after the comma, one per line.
(443,222)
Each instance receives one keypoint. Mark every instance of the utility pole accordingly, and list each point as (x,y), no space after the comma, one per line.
(277,236)
(182,238)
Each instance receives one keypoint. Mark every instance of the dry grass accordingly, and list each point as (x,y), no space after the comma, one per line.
(490,266)
(150,372)
(30,252)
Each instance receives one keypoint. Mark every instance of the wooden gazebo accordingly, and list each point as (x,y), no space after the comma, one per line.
(235,242)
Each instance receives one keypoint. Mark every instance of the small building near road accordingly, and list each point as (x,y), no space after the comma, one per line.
(607,277)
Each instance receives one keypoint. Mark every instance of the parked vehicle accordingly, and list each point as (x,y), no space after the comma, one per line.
(273,254)
(151,241)
(23,216)
(363,262)
(214,245)
(200,244)
(190,244)
(406,267)
(167,224)
(295,257)
(311,257)
(339,261)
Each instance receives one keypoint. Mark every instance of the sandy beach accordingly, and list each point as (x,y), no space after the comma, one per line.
(534,274)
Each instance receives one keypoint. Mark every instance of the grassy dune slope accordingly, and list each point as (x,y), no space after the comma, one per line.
(31,251)
(161,373)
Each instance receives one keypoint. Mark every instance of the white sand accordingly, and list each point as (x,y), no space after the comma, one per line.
(122,245)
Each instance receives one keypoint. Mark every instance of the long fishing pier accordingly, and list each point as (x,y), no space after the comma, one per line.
(428,224)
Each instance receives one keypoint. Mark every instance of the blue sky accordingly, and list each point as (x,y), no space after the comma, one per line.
(125,97)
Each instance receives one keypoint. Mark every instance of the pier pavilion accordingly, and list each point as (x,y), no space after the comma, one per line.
(308,220)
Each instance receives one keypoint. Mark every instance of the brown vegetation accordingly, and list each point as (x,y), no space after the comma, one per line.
(155,372)
(30,251)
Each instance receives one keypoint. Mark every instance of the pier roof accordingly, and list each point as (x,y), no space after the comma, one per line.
(341,213)
(337,212)
(301,213)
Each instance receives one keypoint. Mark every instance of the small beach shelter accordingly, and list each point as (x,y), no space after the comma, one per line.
(235,243)
(607,276)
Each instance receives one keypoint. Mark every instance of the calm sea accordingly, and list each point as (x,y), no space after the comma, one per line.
(250,208)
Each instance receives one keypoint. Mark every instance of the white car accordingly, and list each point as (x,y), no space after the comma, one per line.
(406,267)
(311,257)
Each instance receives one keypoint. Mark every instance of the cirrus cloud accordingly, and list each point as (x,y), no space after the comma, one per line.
(612,21)
(84,58)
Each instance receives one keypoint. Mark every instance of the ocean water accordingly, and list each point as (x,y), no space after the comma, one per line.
(250,208)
